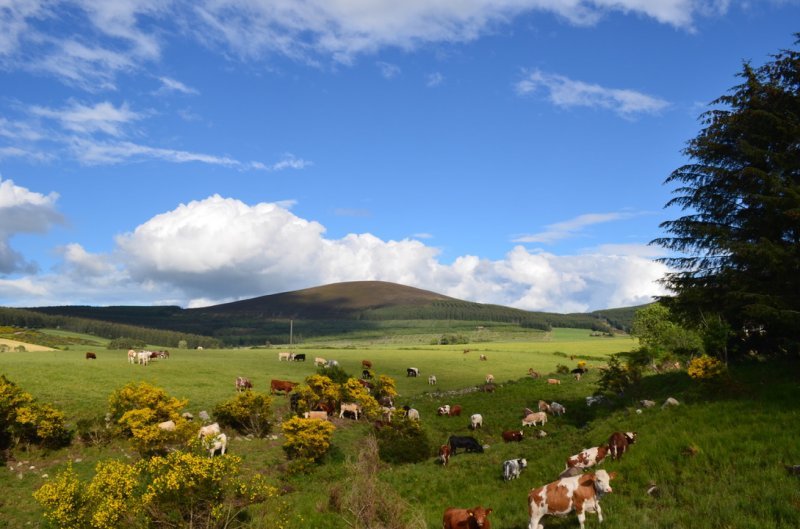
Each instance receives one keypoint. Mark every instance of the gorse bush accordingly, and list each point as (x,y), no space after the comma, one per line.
(705,367)
(403,441)
(249,412)
(182,489)
(618,375)
(24,420)
(307,440)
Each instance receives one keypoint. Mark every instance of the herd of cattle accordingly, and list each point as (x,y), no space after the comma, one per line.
(574,490)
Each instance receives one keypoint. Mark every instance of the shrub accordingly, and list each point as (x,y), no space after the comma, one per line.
(403,441)
(22,419)
(705,367)
(307,440)
(353,391)
(63,500)
(335,373)
(248,412)
(317,389)
(126,343)
(618,376)
(385,387)
(93,432)
(561,369)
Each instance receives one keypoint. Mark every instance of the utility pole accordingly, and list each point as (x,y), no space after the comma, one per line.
(291,331)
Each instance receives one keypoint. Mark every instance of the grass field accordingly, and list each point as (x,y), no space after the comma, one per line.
(740,435)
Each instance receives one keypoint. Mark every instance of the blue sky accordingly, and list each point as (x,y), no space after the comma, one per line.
(511,151)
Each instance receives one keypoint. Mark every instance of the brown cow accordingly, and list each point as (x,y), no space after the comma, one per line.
(466,518)
(281,385)
(580,493)
(553,381)
(618,443)
(509,436)
(366,364)
(91,356)
(444,454)
(455,411)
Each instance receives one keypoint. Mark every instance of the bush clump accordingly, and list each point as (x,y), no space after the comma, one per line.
(307,440)
(24,420)
(705,367)
(248,412)
(403,441)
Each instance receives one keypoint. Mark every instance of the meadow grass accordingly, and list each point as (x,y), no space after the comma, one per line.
(716,459)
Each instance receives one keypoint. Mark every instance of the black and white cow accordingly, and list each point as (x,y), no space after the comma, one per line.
(512,468)
(412,372)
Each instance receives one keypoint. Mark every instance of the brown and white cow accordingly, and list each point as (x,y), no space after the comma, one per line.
(444,454)
(618,443)
(281,385)
(91,356)
(509,436)
(474,518)
(243,384)
(588,457)
(578,493)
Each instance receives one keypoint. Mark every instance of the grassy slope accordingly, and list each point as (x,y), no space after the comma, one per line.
(735,480)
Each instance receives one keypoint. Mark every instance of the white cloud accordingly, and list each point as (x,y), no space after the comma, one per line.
(434,79)
(388,70)
(568,93)
(102,117)
(172,85)
(570,228)
(23,211)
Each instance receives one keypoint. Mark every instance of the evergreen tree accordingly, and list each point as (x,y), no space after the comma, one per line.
(738,241)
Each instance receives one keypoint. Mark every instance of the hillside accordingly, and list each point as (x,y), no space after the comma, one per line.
(329,310)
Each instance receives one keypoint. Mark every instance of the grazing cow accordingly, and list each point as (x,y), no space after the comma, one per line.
(154,355)
(131,356)
(512,468)
(411,413)
(319,361)
(577,376)
(412,372)
(187,415)
(300,357)
(540,434)
(466,351)
(489,378)
(619,443)
(488,388)
(243,384)
(543,406)
(351,407)
(588,457)
(670,402)
(366,364)
(443,410)
(533,374)
(386,401)
(647,403)
(579,371)
(534,418)
(553,381)
(476,421)
(332,363)
(509,436)
(91,356)
(387,412)
(143,357)
(285,356)
(475,518)
(557,409)
(444,454)
(366,374)
(322,415)
(220,442)
(483,357)
(432,380)
(167,426)
(469,444)
(209,431)
(579,493)
(163,354)
(281,385)
(455,411)
(591,400)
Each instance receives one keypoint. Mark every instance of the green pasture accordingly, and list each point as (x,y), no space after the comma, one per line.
(717,459)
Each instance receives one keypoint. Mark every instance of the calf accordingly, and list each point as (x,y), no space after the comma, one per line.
(476,421)
(321,415)
(412,372)
(557,409)
(509,436)
(243,384)
(444,454)
(579,493)
(352,407)
(469,444)
(512,468)
(534,418)
(589,457)
(220,442)
(474,518)
(432,380)
(618,443)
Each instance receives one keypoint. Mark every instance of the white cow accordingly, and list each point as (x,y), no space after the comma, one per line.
(322,415)
(412,414)
(285,356)
(432,380)
(218,442)
(212,429)
(131,356)
(489,379)
(143,357)
(476,421)
(319,361)
(167,426)
(534,418)
(352,407)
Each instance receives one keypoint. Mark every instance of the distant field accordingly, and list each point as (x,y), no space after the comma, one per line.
(27,346)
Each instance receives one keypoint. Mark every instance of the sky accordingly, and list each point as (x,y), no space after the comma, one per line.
(160,152)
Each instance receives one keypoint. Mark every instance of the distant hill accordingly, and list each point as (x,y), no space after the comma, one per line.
(333,309)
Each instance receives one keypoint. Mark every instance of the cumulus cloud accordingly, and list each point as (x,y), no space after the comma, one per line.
(23,211)
(567,93)
(219,249)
